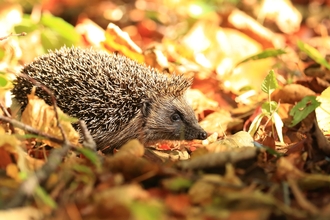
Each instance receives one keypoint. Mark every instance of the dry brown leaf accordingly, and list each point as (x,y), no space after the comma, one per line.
(10,15)
(249,26)
(118,41)
(218,121)
(291,93)
(285,169)
(8,142)
(264,213)
(178,204)
(92,34)
(282,13)
(155,58)
(13,171)
(323,111)
(131,192)
(41,116)
(33,163)
(221,49)
(24,213)
(132,147)
(236,47)
(237,140)
(219,159)
(205,188)
(199,102)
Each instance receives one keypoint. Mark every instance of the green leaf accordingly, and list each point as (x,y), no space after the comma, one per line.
(268,149)
(27,25)
(91,155)
(82,169)
(149,210)
(2,53)
(270,83)
(42,194)
(28,136)
(303,108)
(269,107)
(67,118)
(198,9)
(264,54)
(313,53)
(177,184)
(50,39)
(64,31)
(3,80)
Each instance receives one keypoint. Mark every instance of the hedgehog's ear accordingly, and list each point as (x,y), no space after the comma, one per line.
(145,108)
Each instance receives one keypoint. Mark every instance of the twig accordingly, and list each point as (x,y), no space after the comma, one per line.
(88,139)
(4,109)
(11,35)
(32,130)
(28,187)
(301,198)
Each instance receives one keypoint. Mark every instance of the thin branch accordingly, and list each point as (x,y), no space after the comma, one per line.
(88,139)
(32,130)
(300,198)
(12,35)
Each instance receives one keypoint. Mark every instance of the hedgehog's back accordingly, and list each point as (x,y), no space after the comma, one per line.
(104,90)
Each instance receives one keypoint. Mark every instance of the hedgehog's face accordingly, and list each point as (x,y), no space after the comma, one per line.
(171,119)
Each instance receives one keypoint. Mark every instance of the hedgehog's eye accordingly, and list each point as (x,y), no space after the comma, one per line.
(175,117)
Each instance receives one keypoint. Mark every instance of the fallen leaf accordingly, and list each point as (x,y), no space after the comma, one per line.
(41,116)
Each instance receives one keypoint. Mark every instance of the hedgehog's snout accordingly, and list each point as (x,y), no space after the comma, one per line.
(202,135)
(199,133)
(195,132)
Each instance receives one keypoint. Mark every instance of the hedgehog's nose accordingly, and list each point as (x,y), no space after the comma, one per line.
(202,135)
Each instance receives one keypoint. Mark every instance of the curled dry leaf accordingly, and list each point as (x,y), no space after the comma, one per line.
(132,147)
(282,13)
(286,169)
(238,140)
(246,24)
(155,58)
(10,15)
(24,213)
(91,33)
(8,142)
(41,116)
(131,192)
(128,161)
(291,93)
(205,188)
(219,122)
(219,159)
(322,112)
(199,102)
(118,41)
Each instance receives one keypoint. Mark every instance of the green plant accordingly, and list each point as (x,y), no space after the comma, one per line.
(269,108)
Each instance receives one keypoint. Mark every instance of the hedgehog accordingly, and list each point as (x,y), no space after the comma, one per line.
(118,98)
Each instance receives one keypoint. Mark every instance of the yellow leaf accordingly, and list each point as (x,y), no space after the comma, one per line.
(41,116)
(117,40)
(323,111)
(12,171)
